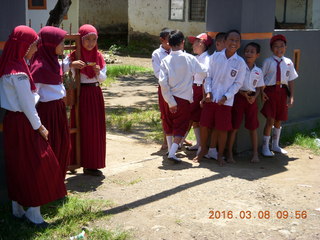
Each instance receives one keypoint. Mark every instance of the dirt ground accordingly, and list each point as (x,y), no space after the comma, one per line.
(278,198)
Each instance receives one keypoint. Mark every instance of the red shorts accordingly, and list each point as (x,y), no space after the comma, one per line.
(177,123)
(195,106)
(162,103)
(241,107)
(276,107)
(216,116)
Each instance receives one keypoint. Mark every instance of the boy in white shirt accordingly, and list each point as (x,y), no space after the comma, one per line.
(176,79)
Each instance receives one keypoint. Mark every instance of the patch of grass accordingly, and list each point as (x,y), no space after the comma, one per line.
(67,218)
(125,183)
(115,71)
(305,139)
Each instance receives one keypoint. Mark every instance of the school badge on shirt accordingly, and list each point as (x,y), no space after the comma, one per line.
(233,73)
(287,73)
(255,82)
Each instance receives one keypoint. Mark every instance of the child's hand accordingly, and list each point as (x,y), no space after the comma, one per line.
(96,69)
(43,132)
(290,102)
(78,64)
(208,97)
(251,99)
(264,96)
(222,100)
(202,101)
(173,109)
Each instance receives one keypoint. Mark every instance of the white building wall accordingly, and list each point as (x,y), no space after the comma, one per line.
(39,17)
(150,16)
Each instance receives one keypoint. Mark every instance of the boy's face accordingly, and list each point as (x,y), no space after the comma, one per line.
(279,48)
(250,54)
(220,45)
(232,43)
(165,43)
(198,46)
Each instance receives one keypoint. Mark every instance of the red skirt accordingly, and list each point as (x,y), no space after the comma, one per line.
(33,173)
(53,116)
(92,127)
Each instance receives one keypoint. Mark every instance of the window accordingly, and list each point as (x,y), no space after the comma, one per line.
(197,10)
(176,10)
(37,4)
(291,13)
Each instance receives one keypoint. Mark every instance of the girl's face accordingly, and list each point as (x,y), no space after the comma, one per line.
(232,43)
(33,48)
(198,46)
(60,48)
(279,48)
(89,42)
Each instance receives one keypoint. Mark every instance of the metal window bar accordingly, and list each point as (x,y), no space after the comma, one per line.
(197,10)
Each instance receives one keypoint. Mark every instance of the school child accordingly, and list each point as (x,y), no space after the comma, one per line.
(226,76)
(176,79)
(33,174)
(91,104)
(212,152)
(157,56)
(200,45)
(245,103)
(47,74)
(279,74)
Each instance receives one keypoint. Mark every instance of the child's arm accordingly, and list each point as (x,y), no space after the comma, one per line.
(156,65)
(165,88)
(291,89)
(101,73)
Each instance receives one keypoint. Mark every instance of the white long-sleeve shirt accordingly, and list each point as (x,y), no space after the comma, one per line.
(253,79)
(176,76)
(226,76)
(157,57)
(84,78)
(269,69)
(16,96)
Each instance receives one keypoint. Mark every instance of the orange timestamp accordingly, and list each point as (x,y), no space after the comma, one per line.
(284,214)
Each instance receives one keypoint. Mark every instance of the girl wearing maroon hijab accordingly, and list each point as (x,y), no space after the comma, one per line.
(91,104)
(33,174)
(47,75)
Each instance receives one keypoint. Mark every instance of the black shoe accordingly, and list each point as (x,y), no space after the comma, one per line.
(42,225)
(175,159)
(92,172)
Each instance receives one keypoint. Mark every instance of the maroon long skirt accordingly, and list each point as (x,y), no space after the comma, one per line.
(54,117)
(92,127)
(33,173)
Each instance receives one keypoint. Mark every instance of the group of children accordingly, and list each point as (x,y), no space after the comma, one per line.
(37,142)
(214,92)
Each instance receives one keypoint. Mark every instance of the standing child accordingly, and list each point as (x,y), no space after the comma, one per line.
(91,104)
(279,74)
(226,76)
(47,74)
(176,79)
(33,174)
(245,103)
(157,56)
(200,45)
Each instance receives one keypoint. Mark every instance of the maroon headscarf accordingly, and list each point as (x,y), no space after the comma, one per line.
(45,66)
(12,59)
(89,56)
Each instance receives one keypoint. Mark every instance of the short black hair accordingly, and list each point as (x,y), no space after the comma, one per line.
(255,45)
(164,32)
(220,36)
(176,37)
(232,31)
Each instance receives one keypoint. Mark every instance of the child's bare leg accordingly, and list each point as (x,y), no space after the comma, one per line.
(254,140)
(232,137)
(203,146)
(222,139)
(174,148)
(266,138)
(164,145)
(268,127)
(184,138)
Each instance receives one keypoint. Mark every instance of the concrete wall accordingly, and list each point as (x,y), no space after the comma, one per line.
(108,16)
(41,16)
(150,17)
(7,22)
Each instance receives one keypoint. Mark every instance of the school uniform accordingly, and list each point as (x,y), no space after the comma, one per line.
(241,106)
(33,173)
(276,106)
(198,88)
(157,56)
(176,79)
(226,76)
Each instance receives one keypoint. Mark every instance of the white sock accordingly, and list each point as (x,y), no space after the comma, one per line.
(266,140)
(276,137)
(213,150)
(197,134)
(34,215)
(173,150)
(17,209)
(199,149)
(169,141)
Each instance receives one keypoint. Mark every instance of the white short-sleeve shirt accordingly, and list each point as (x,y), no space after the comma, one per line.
(203,58)
(253,79)
(157,57)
